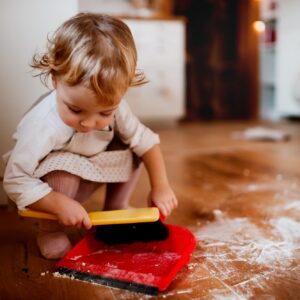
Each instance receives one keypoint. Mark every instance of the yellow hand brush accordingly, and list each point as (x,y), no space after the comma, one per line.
(120,226)
(123,216)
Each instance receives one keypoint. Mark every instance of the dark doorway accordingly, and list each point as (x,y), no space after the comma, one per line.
(222,58)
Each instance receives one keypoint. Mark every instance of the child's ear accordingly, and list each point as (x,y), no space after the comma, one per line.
(53,79)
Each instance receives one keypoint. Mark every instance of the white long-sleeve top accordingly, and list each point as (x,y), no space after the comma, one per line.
(42,131)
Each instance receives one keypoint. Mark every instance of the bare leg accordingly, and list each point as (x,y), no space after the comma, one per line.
(118,194)
(52,241)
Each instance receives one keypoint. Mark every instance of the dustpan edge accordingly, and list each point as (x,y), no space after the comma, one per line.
(107,281)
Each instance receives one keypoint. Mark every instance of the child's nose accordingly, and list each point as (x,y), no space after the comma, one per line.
(88,123)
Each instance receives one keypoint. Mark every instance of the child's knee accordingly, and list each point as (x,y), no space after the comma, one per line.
(63,182)
(61,175)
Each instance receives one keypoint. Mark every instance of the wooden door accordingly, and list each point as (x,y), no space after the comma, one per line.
(222,58)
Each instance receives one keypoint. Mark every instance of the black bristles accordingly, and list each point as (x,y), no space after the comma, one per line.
(107,281)
(130,233)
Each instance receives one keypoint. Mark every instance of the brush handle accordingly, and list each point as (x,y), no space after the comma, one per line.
(161,216)
(123,216)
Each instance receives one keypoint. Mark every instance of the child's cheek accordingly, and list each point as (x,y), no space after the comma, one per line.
(70,120)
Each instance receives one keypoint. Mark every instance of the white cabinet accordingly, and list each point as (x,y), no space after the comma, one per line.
(268,59)
(280,59)
(161,55)
(288,59)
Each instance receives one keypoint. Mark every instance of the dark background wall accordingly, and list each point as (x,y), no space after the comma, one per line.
(222,58)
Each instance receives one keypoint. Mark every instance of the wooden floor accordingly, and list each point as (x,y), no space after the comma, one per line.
(240,198)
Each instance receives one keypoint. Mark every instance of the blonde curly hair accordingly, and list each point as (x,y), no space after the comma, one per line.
(95,50)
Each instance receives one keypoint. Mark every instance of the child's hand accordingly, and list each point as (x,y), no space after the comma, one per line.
(68,211)
(164,198)
(71,213)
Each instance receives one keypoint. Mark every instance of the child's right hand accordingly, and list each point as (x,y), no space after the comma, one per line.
(71,213)
(68,211)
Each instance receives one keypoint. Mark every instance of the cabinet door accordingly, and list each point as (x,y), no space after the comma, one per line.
(160,46)
(288,59)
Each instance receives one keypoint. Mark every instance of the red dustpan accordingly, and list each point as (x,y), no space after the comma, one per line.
(146,267)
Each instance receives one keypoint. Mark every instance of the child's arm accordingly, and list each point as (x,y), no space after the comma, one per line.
(36,137)
(144,143)
(161,193)
(68,211)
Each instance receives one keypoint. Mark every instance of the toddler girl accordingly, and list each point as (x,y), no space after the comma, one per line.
(83,133)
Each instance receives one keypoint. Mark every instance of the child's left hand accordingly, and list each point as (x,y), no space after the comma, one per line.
(164,198)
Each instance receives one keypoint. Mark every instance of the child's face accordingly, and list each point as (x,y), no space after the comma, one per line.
(79,107)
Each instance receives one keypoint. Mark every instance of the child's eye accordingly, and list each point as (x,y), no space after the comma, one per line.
(74,110)
(103,114)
